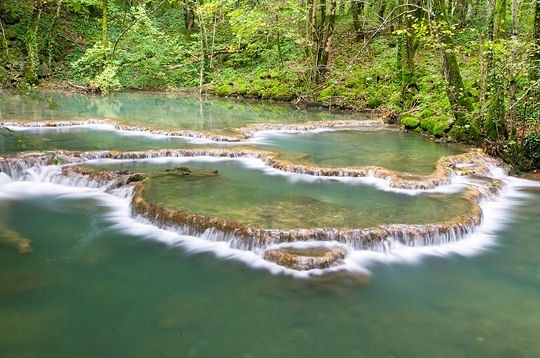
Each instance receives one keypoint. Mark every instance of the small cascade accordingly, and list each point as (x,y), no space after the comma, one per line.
(58,124)
(253,129)
(18,168)
(482,181)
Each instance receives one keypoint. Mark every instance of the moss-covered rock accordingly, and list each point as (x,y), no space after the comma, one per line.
(224,90)
(427,124)
(409,121)
(436,125)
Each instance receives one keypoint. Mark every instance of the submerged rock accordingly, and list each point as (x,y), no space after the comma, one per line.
(196,172)
(11,238)
(306,258)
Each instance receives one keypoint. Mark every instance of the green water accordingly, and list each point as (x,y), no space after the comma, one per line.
(164,111)
(404,152)
(89,290)
(387,148)
(244,195)
(100,284)
(85,139)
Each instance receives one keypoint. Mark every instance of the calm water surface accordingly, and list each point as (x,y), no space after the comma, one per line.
(165,111)
(404,152)
(99,284)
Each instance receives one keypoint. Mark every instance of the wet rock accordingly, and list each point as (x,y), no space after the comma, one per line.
(135,178)
(306,258)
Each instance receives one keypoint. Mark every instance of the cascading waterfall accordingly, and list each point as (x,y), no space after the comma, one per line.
(64,168)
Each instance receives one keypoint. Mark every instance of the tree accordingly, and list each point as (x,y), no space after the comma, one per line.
(411,22)
(321,19)
(458,97)
(495,123)
(189,16)
(104,19)
(535,57)
(31,71)
(357,12)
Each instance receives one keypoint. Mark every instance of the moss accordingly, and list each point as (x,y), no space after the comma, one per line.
(242,89)
(409,121)
(427,124)
(327,93)
(441,128)
(426,112)
(374,102)
(224,90)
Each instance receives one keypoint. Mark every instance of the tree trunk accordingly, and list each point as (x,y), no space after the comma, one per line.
(357,12)
(495,123)
(189,16)
(461,10)
(32,60)
(408,46)
(535,58)
(328,36)
(512,86)
(459,100)
(320,32)
(104,19)
(204,50)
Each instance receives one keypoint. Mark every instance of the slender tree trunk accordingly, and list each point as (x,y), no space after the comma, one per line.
(495,123)
(278,43)
(32,60)
(321,32)
(407,51)
(512,86)
(328,36)
(104,19)
(357,12)
(461,10)
(5,42)
(535,58)
(459,100)
(189,16)
(204,50)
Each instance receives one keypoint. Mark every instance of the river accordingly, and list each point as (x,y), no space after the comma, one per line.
(101,283)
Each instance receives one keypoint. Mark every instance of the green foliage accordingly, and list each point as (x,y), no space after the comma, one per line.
(91,63)
(269,84)
(140,57)
(523,155)
(265,49)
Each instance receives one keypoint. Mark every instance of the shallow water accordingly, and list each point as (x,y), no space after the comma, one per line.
(244,194)
(404,152)
(86,139)
(100,283)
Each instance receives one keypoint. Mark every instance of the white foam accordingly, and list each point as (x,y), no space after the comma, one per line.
(61,128)
(496,214)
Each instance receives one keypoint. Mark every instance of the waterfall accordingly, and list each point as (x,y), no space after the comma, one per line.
(485,183)
(17,168)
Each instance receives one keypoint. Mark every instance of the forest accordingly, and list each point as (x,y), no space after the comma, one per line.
(457,70)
